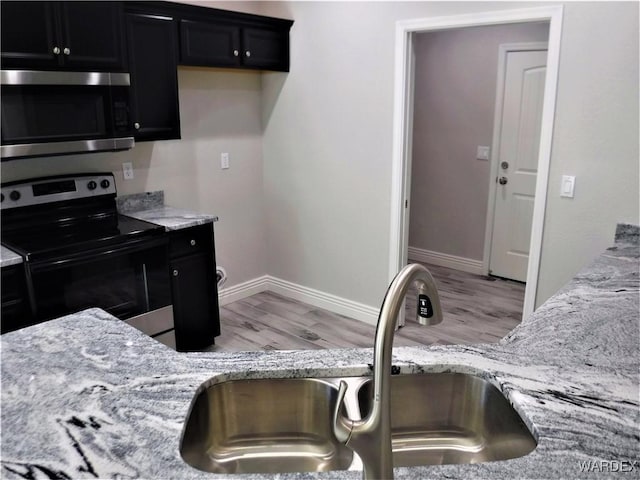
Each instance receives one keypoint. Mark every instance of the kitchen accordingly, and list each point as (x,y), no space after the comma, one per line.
(295,183)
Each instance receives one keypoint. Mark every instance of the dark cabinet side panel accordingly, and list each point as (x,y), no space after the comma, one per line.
(154,79)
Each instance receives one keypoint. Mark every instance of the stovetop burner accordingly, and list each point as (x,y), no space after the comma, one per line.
(48,218)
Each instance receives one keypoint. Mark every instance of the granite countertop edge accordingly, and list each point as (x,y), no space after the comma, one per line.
(8,257)
(150,207)
(118,410)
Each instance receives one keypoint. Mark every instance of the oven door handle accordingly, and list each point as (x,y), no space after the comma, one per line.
(98,253)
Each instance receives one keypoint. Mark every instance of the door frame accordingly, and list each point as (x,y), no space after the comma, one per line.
(402,127)
(503,50)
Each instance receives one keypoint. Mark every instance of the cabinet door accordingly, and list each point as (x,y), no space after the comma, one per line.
(15,311)
(28,35)
(265,48)
(209,44)
(154,76)
(195,301)
(93,35)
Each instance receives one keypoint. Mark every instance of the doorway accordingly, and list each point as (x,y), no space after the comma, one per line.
(403,128)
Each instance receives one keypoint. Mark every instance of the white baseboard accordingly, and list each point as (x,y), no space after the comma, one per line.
(468,265)
(243,290)
(333,303)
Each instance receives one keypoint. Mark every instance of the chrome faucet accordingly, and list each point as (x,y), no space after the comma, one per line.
(370,437)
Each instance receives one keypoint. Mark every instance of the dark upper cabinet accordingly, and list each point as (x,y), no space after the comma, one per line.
(63,35)
(226,45)
(209,44)
(152,42)
(265,48)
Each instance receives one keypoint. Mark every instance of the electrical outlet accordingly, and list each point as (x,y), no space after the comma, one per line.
(127,170)
(224,160)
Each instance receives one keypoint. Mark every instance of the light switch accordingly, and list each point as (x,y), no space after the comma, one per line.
(224,160)
(567,186)
(482,153)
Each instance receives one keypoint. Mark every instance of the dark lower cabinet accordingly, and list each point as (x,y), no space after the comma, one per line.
(193,287)
(153,65)
(15,312)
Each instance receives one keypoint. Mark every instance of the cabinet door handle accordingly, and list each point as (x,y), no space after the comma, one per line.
(56,50)
(247,53)
(66,51)
(193,243)
(236,53)
(175,273)
(136,126)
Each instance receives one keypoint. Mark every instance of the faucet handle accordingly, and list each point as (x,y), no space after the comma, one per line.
(342,426)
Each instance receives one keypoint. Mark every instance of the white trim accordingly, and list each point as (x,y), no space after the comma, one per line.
(503,50)
(243,290)
(399,242)
(333,303)
(468,265)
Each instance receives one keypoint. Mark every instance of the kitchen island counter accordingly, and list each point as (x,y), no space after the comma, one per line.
(87,396)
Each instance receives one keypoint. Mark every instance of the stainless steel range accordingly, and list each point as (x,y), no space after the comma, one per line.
(78,252)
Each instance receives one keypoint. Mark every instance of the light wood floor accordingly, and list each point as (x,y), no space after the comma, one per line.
(476,309)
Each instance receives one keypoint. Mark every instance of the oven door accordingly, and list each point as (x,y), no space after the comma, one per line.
(125,280)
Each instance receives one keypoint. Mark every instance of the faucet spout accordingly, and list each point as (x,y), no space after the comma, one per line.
(370,437)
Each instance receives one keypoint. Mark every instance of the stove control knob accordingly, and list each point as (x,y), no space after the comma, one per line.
(105,183)
(14,195)
(92,185)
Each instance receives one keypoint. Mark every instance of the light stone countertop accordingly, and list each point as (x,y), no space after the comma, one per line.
(150,207)
(8,257)
(87,396)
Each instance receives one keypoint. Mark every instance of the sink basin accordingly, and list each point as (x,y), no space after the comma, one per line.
(264,426)
(444,418)
(284,425)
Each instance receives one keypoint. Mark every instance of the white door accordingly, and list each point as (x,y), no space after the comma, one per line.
(517,159)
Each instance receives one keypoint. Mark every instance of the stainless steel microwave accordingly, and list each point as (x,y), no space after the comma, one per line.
(54,113)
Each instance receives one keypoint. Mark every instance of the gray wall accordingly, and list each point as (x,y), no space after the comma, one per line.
(454,102)
(328,141)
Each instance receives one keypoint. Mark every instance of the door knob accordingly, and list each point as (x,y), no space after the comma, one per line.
(504,165)
(502,180)
(56,50)
(136,126)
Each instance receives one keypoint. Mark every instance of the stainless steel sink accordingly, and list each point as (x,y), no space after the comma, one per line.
(284,425)
(264,426)
(444,418)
